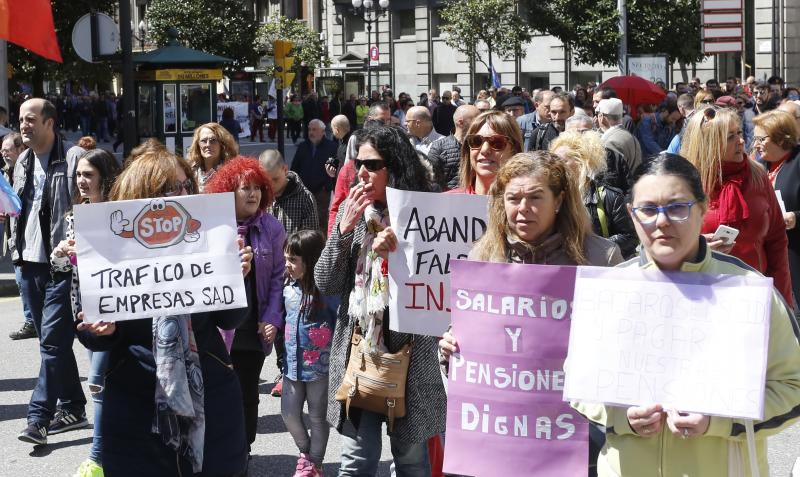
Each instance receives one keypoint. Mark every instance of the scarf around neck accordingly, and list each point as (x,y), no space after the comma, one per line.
(180,416)
(370,295)
(732,207)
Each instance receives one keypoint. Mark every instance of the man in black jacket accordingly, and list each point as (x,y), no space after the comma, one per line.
(445,154)
(309,164)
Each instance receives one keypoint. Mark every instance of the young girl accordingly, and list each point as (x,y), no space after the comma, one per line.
(310,319)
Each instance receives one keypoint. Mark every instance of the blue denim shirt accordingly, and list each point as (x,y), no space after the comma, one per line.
(307,337)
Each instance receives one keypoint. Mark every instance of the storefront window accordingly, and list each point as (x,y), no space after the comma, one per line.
(170,109)
(195,105)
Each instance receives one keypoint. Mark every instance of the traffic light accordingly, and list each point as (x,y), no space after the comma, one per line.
(283,62)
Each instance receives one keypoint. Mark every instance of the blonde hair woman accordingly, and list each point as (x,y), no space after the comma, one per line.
(740,195)
(211,145)
(585,156)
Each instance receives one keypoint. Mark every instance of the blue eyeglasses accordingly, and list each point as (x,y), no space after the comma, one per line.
(675,212)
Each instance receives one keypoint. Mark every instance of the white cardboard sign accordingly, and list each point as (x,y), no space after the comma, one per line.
(158,257)
(689,341)
(431,230)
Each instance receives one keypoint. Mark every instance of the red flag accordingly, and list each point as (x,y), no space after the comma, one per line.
(29,24)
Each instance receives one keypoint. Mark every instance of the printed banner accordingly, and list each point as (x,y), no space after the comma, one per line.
(505,413)
(432,229)
(240,112)
(158,257)
(690,341)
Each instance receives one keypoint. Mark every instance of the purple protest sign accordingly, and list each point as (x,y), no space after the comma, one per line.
(505,413)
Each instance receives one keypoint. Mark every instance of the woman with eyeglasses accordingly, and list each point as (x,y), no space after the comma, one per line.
(251,341)
(143,433)
(536,215)
(354,265)
(211,145)
(668,203)
(740,196)
(776,142)
(491,140)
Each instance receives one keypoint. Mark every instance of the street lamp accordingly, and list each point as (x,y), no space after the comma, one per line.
(371,11)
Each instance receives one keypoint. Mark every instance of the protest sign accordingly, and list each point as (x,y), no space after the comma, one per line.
(431,230)
(505,413)
(241,114)
(158,257)
(688,341)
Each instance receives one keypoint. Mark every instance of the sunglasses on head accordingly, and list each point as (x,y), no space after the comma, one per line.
(372,165)
(497,142)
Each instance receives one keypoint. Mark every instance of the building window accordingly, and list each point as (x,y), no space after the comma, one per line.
(436,23)
(403,24)
(354,25)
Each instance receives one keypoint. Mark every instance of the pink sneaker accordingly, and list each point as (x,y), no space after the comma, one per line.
(305,468)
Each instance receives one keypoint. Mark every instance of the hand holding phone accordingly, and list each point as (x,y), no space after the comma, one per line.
(726,234)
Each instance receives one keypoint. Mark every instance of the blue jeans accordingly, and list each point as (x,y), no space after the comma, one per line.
(98,365)
(361,450)
(48,299)
(26,311)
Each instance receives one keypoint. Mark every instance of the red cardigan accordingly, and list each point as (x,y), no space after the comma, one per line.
(762,241)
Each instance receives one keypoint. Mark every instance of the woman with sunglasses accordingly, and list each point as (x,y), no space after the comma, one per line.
(492,138)
(536,215)
(775,141)
(740,196)
(142,433)
(703,99)
(353,265)
(252,340)
(668,203)
(211,145)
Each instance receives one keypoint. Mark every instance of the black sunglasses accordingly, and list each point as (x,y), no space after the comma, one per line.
(372,165)
(497,142)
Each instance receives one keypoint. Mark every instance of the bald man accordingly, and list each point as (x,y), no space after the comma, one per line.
(44,179)
(792,108)
(445,155)
(420,128)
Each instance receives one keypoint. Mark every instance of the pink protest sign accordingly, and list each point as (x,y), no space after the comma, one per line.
(505,413)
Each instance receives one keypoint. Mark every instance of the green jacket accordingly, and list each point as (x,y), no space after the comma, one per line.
(722,451)
(294,111)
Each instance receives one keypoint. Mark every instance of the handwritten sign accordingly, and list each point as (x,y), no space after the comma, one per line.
(689,341)
(157,257)
(504,405)
(432,230)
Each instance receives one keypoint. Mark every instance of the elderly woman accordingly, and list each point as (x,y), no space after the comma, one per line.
(492,138)
(585,156)
(252,340)
(775,140)
(740,195)
(353,265)
(211,145)
(142,433)
(668,202)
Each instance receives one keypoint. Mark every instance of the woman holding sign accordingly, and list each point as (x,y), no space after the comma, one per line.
(354,265)
(251,341)
(492,138)
(172,405)
(740,197)
(668,203)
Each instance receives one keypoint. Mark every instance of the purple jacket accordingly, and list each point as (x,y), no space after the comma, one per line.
(267,238)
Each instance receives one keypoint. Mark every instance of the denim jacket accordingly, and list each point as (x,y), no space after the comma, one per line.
(266,236)
(307,336)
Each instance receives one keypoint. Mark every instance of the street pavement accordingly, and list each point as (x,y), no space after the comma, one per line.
(274,452)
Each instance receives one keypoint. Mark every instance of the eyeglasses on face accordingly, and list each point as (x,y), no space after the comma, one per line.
(498,142)
(178,187)
(760,139)
(675,212)
(372,165)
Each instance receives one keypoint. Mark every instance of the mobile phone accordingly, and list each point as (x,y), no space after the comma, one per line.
(726,234)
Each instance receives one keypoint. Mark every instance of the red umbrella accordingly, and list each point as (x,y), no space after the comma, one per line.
(634,90)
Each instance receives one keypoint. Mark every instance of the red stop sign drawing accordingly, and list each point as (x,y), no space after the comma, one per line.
(161,224)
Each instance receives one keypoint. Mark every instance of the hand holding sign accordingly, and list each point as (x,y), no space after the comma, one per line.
(100,328)
(687,424)
(385,242)
(646,420)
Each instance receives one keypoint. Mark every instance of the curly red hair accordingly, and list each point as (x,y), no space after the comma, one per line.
(240,170)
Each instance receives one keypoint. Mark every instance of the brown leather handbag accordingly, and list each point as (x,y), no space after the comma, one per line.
(375,381)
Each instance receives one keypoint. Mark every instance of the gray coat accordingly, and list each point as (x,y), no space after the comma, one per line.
(618,139)
(59,190)
(426,401)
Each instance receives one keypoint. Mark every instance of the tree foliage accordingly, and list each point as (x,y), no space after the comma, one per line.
(308,49)
(590,27)
(472,25)
(219,27)
(32,68)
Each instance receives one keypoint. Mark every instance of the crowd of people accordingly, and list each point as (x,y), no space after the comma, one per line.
(572,178)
